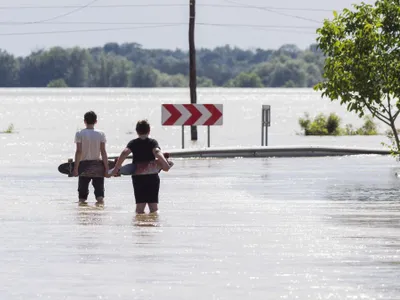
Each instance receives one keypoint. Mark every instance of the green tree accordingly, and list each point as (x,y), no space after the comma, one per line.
(264,71)
(110,70)
(145,77)
(8,70)
(77,72)
(313,75)
(41,67)
(204,82)
(129,64)
(248,80)
(292,70)
(290,50)
(165,80)
(362,67)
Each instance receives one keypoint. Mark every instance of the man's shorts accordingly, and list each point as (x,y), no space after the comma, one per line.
(146,188)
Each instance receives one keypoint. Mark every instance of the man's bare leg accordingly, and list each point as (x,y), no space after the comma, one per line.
(140,208)
(100,201)
(153,207)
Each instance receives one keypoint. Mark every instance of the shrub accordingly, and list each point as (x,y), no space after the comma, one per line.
(57,83)
(321,125)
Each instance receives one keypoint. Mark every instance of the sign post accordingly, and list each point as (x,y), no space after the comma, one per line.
(191,115)
(183,137)
(265,123)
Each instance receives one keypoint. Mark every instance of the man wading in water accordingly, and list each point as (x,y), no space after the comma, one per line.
(144,149)
(90,143)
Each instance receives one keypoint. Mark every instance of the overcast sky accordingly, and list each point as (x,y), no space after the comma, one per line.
(162,23)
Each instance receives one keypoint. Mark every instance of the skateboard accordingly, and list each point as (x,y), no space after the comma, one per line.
(152,167)
(87,168)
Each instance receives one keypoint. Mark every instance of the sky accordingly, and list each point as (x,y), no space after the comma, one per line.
(28,25)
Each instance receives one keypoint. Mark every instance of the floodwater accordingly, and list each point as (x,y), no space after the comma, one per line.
(264,228)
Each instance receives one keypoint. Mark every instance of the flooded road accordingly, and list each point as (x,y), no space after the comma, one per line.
(264,228)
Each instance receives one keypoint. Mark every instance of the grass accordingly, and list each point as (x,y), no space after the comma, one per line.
(10,129)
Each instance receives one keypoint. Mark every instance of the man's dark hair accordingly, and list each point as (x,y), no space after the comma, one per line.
(90,117)
(142,127)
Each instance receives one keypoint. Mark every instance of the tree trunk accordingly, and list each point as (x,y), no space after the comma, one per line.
(192,63)
(396,137)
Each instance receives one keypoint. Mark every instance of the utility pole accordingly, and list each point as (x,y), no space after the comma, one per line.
(192,63)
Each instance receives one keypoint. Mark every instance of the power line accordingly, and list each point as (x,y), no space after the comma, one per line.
(168,5)
(255,25)
(96,6)
(287,8)
(83,30)
(272,11)
(164,23)
(158,25)
(263,27)
(64,14)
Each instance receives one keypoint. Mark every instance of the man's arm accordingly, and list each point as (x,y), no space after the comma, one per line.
(78,154)
(161,158)
(104,156)
(124,154)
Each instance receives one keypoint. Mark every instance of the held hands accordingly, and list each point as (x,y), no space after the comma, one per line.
(114,172)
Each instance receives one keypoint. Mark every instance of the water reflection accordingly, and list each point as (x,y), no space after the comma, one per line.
(146,220)
(90,214)
(361,192)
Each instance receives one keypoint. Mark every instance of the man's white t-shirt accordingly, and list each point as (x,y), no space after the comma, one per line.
(90,140)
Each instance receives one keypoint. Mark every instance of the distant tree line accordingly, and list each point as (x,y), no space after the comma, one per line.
(129,65)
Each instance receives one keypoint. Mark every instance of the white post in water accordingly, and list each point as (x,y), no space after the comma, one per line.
(265,123)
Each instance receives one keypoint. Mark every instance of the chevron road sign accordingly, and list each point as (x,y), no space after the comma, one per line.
(191,114)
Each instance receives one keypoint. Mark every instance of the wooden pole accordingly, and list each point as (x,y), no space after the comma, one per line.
(192,63)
